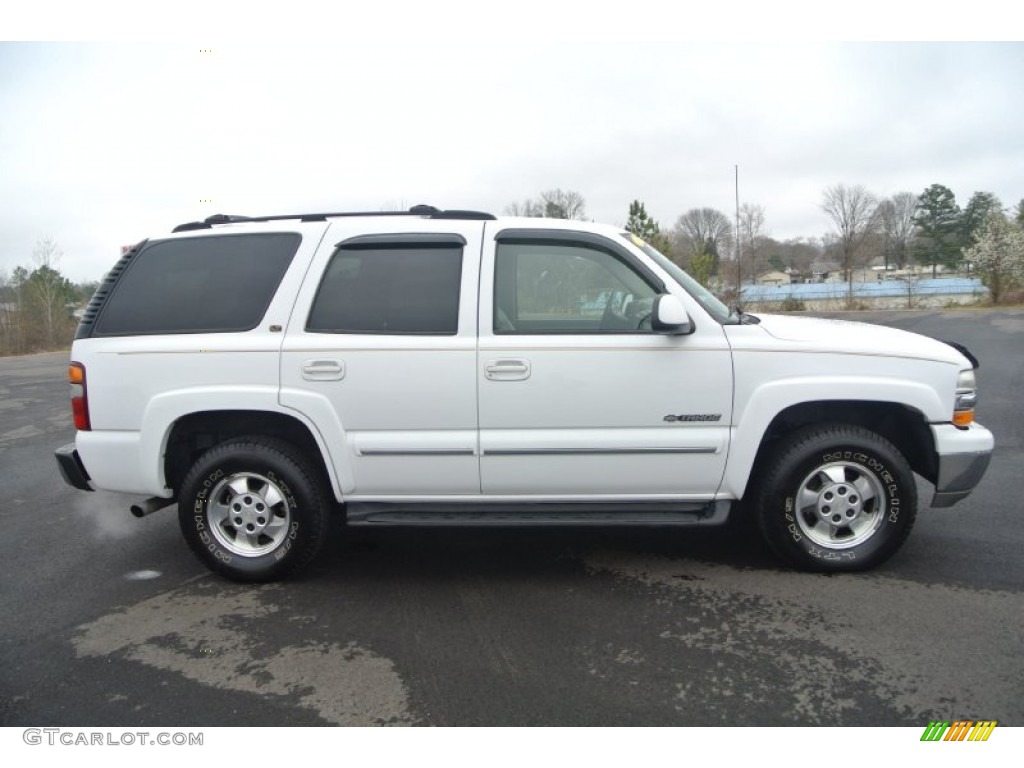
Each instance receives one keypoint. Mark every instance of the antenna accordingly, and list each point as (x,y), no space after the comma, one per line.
(739,247)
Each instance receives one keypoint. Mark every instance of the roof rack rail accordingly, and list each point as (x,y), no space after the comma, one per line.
(428,211)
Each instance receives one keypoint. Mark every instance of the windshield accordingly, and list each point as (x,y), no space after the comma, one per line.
(704,297)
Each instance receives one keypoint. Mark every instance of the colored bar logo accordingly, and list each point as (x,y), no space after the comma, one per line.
(960,730)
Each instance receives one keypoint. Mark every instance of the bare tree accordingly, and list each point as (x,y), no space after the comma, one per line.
(896,218)
(752,238)
(19,281)
(702,230)
(559,204)
(528,208)
(853,211)
(552,204)
(8,344)
(910,289)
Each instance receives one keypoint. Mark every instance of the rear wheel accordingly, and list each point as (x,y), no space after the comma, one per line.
(836,498)
(252,509)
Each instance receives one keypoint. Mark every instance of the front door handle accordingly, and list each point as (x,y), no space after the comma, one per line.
(323,370)
(507,370)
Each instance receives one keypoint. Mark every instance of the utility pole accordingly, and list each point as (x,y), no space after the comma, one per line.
(738,251)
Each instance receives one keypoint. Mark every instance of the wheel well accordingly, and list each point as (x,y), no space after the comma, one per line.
(904,427)
(196,433)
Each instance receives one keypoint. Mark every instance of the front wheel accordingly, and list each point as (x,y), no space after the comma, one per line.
(253,510)
(835,498)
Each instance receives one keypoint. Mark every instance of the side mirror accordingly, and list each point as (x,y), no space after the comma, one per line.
(669,316)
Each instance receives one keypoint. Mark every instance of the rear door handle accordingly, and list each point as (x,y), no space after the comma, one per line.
(323,370)
(507,370)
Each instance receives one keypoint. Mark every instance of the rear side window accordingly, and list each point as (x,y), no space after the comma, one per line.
(198,285)
(384,289)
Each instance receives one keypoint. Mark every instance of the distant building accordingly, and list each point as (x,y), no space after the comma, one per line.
(773,278)
(826,272)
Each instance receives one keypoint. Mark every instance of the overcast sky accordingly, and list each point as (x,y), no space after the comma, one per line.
(104,144)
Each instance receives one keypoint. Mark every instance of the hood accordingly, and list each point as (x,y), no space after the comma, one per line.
(858,338)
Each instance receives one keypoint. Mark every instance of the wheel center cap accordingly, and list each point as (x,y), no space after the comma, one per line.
(839,504)
(249,513)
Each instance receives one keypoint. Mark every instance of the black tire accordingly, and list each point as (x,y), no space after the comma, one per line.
(252,509)
(835,498)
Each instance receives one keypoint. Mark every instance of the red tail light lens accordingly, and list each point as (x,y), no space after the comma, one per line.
(79,397)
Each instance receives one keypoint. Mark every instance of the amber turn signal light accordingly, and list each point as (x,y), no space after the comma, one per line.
(963,418)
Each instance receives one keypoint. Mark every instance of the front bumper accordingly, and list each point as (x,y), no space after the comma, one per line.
(71,467)
(963,455)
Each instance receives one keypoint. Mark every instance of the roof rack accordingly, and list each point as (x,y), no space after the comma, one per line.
(428,211)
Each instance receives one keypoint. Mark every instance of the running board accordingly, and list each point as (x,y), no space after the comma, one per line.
(369,513)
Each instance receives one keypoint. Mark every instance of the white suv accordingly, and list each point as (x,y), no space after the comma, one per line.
(452,368)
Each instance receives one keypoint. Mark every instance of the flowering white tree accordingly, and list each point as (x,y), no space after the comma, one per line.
(998,255)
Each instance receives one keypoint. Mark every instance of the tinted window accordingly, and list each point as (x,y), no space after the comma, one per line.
(385,289)
(200,284)
(559,287)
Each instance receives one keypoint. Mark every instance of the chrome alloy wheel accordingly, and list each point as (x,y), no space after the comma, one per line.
(840,505)
(248,514)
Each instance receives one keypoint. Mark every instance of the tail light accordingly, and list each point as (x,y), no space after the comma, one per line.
(79,397)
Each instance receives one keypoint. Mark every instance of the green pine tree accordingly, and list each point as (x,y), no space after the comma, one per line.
(939,229)
(976,212)
(642,225)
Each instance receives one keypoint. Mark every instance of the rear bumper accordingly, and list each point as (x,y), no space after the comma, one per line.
(963,456)
(71,467)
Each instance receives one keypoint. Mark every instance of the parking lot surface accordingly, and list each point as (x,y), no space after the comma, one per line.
(110,620)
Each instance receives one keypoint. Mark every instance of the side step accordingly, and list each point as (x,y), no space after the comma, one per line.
(565,514)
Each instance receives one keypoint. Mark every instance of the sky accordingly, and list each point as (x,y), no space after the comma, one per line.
(105,143)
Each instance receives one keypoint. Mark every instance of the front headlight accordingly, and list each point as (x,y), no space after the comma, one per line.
(966,398)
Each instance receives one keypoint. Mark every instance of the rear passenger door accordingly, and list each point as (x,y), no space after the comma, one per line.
(380,355)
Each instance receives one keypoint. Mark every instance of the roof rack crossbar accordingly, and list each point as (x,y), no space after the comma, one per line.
(428,211)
